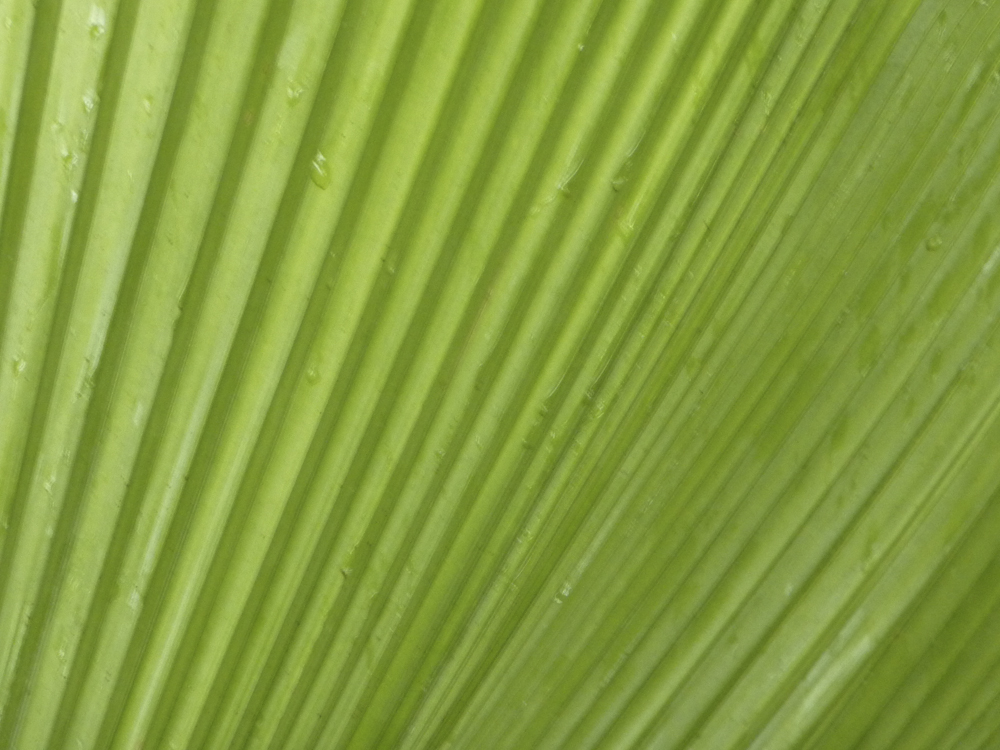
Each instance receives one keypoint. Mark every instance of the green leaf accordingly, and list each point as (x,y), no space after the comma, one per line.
(515,375)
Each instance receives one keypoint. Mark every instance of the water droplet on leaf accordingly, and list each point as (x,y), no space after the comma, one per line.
(68,158)
(294,91)
(319,171)
(97,22)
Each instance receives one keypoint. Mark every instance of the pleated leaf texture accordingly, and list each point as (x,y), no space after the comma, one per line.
(499,375)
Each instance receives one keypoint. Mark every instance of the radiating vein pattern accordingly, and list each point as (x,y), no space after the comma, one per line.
(537,374)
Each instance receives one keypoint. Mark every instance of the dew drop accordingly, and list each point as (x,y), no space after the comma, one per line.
(97,22)
(312,375)
(934,243)
(294,91)
(89,101)
(68,158)
(17,365)
(319,172)
(147,104)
